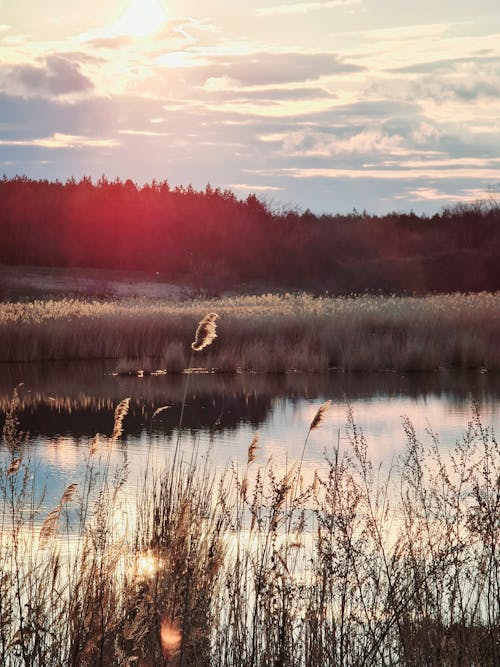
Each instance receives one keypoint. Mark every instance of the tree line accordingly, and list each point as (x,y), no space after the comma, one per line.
(214,240)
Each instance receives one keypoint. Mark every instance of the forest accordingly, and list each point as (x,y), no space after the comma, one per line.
(212,239)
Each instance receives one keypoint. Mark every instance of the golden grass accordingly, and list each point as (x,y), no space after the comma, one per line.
(269,333)
(205,333)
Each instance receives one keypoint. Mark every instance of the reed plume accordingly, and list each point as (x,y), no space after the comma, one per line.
(68,494)
(10,432)
(205,333)
(319,417)
(120,413)
(94,445)
(254,446)
(14,467)
(49,526)
(158,410)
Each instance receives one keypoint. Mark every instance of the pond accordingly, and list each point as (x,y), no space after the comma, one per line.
(63,405)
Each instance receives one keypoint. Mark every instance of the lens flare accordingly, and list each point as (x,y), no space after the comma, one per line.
(170,637)
(145,565)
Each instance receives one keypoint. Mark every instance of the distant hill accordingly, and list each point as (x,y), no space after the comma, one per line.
(213,240)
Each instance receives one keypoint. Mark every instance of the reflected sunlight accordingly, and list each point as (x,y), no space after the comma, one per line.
(145,565)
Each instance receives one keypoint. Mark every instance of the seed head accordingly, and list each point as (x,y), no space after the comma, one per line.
(14,467)
(254,446)
(121,411)
(205,333)
(68,494)
(319,417)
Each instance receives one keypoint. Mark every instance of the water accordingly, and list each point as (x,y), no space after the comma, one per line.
(63,405)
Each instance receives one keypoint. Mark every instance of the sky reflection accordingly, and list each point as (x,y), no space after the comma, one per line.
(223,414)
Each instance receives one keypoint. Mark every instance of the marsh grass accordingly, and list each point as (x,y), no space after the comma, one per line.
(260,566)
(270,333)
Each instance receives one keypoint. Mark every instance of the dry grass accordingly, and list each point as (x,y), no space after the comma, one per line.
(259,567)
(269,333)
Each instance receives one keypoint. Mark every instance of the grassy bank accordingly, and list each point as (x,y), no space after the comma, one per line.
(269,333)
(259,567)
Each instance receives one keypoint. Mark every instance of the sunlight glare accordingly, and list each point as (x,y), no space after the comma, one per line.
(145,565)
(141,18)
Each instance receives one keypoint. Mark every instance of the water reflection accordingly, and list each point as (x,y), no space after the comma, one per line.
(79,398)
(63,405)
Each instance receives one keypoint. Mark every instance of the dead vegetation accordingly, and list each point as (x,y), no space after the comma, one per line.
(269,333)
(261,566)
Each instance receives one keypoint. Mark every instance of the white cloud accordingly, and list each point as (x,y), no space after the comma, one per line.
(254,188)
(144,133)
(305,7)
(58,140)
(393,174)
(313,143)
(431,194)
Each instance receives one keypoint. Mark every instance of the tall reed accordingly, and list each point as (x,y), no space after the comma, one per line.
(269,333)
(352,565)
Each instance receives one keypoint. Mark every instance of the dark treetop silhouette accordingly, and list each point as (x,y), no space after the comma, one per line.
(214,239)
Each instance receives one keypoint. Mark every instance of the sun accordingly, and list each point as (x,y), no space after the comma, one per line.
(141,18)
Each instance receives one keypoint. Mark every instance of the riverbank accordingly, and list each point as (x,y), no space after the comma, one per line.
(268,333)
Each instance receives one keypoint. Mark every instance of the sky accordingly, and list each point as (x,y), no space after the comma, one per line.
(383,105)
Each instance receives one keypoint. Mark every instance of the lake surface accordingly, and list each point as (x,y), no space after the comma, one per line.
(63,405)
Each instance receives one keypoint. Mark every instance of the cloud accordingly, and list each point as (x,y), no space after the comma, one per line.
(272,68)
(474,90)
(431,194)
(370,109)
(191,78)
(443,64)
(82,57)
(446,162)
(144,133)
(189,29)
(266,68)
(114,42)
(228,93)
(254,188)
(393,173)
(176,33)
(467,85)
(57,76)
(310,143)
(282,94)
(59,140)
(305,7)
(97,117)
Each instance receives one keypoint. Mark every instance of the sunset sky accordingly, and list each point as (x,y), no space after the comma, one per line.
(376,104)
